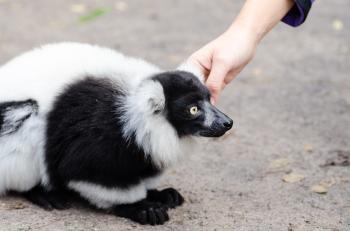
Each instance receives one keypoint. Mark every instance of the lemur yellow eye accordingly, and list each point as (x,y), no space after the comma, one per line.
(193,110)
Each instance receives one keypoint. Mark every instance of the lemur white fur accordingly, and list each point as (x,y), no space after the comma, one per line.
(20,156)
(43,73)
(105,198)
(163,141)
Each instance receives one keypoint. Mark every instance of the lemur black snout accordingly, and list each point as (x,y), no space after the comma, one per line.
(219,126)
(225,122)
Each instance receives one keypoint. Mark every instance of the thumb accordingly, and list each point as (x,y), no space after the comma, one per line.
(215,79)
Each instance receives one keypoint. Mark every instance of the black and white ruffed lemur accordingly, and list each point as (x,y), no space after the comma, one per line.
(89,120)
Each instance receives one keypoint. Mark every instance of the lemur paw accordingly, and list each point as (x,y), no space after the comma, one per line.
(58,200)
(46,200)
(144,212)
(169,197)
(153,214)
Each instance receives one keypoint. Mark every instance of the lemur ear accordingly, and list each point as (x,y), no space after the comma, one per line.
(156,105)
(151,93)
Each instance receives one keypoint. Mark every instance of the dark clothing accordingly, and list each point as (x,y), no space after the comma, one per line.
(298,13)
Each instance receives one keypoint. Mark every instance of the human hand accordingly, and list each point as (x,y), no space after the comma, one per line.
(223,58)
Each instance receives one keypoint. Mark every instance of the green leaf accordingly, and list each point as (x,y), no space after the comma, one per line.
(92,15)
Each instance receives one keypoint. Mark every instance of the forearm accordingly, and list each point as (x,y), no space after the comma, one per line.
(258,17)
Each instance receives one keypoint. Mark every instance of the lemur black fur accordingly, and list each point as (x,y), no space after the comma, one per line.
(84,140)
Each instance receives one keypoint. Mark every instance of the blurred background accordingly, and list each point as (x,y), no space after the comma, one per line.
(285,165)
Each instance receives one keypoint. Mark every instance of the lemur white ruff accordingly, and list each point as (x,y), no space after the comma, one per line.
(86,119)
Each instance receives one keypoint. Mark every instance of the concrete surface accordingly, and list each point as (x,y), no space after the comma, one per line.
(291,106)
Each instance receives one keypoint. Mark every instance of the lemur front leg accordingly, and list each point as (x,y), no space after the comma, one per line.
(169,197)
(143,212)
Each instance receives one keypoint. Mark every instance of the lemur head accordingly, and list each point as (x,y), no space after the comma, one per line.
(165,109)
(187,106)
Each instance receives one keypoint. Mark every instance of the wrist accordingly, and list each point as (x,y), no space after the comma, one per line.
(248,32)
(244,33)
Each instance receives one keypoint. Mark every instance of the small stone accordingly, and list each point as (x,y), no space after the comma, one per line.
(337,25)
(293,177)
(121,6)
(308,148)
(320,189)
(78,8)
(17,205)
(279,163)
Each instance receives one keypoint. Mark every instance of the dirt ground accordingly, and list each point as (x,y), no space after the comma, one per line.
(285,165)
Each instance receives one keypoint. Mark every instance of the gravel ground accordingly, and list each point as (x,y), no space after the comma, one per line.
(291,109)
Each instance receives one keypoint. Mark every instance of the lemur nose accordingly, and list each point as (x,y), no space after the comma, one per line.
(228,124)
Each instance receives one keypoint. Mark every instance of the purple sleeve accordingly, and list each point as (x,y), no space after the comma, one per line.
(298,13)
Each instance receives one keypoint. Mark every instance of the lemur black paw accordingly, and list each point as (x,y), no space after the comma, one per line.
(58,200)
(46,200)
(144,212)
(169,197)
(152,213)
